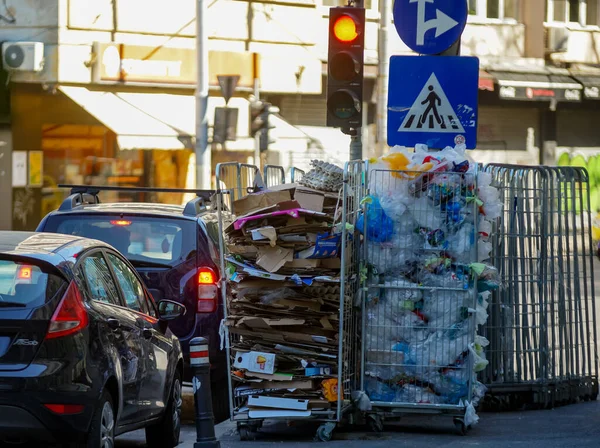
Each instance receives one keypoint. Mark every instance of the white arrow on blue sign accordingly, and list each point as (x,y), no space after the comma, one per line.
(433,100)
(430,26)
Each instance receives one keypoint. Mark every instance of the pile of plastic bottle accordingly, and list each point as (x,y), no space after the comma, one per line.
(428,223)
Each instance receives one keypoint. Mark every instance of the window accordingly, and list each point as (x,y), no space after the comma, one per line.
(25,285)
(130,285)
(142,240)
(494,9)
(100,283)
(584,12)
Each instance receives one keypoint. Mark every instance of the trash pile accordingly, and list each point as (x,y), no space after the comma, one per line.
(428,221)
(283,269)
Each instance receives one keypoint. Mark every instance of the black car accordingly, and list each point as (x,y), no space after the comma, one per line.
(175,250)
(85,353)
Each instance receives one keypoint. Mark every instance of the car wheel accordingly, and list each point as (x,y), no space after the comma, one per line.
(102,428)
(165,434)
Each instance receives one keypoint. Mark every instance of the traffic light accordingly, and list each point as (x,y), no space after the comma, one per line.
(260,113)
(345,67)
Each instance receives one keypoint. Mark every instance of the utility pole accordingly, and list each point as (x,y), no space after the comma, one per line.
(203,151)
(256,76)
(385,23)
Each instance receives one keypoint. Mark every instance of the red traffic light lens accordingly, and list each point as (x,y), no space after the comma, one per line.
(345,29)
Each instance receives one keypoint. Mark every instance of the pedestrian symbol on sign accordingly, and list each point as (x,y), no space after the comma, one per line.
(431,111)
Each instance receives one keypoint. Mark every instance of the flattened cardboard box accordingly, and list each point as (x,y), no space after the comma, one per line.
(259,201)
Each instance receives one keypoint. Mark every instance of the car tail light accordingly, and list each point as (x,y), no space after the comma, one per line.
(70,315)
(65,409)
(207,291)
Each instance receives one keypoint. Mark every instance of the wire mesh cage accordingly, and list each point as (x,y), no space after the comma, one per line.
(542,326)
(334,299)
(419,329)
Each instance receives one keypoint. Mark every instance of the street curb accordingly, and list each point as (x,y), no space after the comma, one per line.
(188,413)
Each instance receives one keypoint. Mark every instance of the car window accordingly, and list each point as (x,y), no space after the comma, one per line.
(133,290)
(98,279)
(27,285)
(142,240)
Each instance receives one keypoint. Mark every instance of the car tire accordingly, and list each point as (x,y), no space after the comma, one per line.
(220,400)
(102,427)
(165,434)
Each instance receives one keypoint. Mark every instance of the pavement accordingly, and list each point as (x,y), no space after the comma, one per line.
(573,426)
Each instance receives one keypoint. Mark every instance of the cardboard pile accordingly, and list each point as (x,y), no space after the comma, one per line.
(283,270)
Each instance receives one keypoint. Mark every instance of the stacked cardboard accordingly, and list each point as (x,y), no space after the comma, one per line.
(283,269)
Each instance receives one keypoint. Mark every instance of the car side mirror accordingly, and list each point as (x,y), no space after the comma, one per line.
(170,310)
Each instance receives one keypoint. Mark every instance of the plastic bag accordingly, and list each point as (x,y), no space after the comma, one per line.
(380,227)
(485,228)
(378,391)
(461,244)
(481,313)
(443,308)
(484,250)
(471,417)
(425,214)
(362,400)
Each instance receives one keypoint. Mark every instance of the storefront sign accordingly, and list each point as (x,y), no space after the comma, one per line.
(19,168)
(134,64)
(539,94)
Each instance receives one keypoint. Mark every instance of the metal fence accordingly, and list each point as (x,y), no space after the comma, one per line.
(296,174)
(273,175)
(542,322)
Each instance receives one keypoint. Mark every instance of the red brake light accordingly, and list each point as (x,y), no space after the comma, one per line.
(70,315)
(120,222)
(206,276)
(65,409)
(24,273)
(207,291)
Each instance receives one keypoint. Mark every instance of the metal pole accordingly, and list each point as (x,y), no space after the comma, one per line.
(203,150)
(256,76)
(385,23)
(205,425)
(356,145)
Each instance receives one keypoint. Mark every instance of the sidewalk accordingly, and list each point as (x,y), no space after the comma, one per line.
(575,426)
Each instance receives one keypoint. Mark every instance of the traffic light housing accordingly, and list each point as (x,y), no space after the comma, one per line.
(345,67)
(260,123)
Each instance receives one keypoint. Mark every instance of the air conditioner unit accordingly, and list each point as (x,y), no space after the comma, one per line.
(557,39)
(23,56)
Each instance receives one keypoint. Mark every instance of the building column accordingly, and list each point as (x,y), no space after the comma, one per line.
(533,14)
(548,135)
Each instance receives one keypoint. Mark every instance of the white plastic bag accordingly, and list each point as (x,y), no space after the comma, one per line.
(484,250)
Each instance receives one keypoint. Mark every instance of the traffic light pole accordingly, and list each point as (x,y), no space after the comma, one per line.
(356,145)
(256,76)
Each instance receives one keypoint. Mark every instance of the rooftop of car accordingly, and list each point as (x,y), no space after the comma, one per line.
(32,242)
(131,207)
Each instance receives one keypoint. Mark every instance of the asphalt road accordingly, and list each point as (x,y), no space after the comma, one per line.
(574,426)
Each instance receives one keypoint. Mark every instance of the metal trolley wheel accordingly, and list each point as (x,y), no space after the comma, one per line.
(375,423)
(325,432)
(461,428)
(247,431)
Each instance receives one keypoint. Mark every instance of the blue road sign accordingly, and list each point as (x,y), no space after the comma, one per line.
(430,26)
(433,100)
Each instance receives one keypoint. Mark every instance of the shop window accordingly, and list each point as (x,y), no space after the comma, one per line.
(584,12)
(494,9)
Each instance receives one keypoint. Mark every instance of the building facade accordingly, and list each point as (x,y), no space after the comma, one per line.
(110,99)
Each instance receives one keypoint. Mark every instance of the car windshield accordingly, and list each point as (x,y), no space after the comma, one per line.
(26,285)
(145,241)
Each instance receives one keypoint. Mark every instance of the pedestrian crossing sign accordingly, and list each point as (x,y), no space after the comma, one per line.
(433,100)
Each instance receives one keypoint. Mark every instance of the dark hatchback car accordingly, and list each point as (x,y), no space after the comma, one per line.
(174,248)
(85,353)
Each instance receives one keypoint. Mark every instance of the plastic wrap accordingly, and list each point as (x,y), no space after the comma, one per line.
(422,305)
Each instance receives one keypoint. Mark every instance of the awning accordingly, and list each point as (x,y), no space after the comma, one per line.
(486,81)
(537,87)
(591,84)
(135,129)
